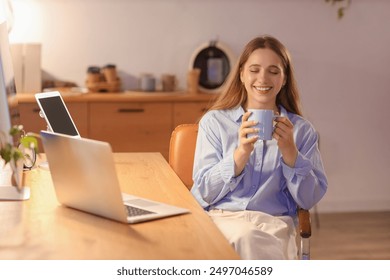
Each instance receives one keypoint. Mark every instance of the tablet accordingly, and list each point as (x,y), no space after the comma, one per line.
(56,114)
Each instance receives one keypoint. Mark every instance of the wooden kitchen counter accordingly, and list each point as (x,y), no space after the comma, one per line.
(130,121)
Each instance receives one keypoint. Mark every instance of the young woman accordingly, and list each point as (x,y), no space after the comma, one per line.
(251,188)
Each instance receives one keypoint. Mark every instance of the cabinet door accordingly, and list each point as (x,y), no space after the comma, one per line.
(188,112)
(132,127)
(30,119)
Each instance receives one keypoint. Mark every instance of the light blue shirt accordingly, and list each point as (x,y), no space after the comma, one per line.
(266,184)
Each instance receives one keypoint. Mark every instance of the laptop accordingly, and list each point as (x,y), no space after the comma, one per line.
(56,114)
(85,178)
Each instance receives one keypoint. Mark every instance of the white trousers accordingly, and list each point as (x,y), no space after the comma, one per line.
(256,235)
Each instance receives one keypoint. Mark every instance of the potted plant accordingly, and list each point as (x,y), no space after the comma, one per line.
(19,153)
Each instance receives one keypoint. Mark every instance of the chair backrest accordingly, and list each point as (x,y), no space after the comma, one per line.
(182,150)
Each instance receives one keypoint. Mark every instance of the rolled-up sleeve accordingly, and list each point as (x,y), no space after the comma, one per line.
(306,181)
(213,172)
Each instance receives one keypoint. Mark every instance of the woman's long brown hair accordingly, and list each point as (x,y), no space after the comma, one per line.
(235,94)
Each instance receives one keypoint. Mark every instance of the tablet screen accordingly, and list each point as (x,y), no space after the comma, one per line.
(57,115)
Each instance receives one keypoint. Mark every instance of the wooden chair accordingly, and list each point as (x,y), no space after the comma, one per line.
(181,159)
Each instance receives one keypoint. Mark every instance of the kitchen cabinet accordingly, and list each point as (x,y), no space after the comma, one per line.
(32,122)
(188,112)
(132,126)
(130,122)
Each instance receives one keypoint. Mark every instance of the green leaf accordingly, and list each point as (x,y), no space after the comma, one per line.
(15,130)
(5,153)
(29,142)
(16,154)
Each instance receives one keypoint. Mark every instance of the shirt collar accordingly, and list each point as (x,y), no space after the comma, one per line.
(237,114)
(283,111)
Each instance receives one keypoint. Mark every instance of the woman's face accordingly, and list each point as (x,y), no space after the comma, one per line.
(263,77)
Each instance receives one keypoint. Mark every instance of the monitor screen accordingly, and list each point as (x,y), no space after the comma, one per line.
(9,113)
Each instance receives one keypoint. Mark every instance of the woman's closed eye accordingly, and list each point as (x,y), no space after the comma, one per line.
(274,70)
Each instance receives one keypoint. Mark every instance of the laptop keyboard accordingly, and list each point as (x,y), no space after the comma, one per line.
(134,211)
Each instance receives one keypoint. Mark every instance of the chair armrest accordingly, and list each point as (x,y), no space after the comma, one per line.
(304,223)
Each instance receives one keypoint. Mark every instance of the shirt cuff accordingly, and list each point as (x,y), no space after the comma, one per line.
(227,172)
(302,167)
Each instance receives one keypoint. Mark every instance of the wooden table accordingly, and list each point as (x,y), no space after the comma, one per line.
(40,228)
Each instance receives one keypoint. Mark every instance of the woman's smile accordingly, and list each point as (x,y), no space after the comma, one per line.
(262,89)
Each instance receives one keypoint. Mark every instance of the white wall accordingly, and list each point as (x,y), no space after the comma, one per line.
(342,65)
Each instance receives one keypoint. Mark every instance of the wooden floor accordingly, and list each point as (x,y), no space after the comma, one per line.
(351,236)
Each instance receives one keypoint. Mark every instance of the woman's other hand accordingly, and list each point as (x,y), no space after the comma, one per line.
(283,133)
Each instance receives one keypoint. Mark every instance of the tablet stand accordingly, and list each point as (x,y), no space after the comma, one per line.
(44,165)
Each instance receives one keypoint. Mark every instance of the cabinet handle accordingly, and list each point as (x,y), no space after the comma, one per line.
(131,110)
(15,116)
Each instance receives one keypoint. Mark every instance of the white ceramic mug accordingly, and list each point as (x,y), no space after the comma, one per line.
(265,119)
